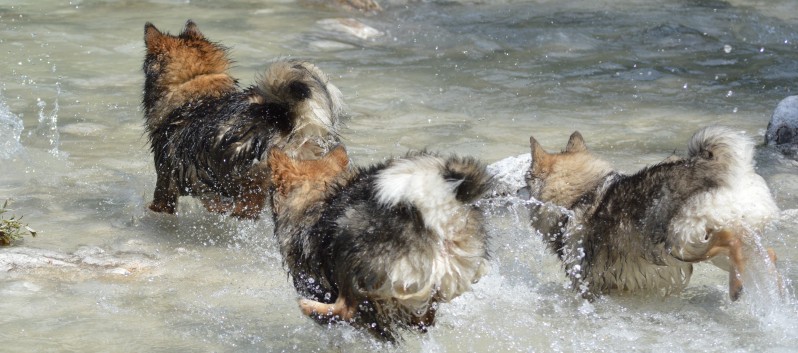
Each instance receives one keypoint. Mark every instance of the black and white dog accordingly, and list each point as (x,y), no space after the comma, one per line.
(379,247)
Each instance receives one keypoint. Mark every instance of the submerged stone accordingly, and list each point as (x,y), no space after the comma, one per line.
(782,130)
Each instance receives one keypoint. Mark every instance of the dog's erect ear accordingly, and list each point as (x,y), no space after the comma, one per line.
(192,31)
(339,156)
(151,35)
(576,143)
(536,150)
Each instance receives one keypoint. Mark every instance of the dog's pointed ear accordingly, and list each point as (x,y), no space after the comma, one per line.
(537,151)
(576,143)
(338,156)
(192,30)
(151,35)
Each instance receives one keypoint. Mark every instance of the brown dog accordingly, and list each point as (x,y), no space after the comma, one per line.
(210,138)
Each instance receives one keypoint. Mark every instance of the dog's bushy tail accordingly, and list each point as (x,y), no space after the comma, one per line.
(427,181)
(313,106)
(439,189)
(730,152)
(470,175)
(739,199)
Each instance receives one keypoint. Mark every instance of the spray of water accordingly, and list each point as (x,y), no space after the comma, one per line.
(10,130)
(768,295)
(48,124)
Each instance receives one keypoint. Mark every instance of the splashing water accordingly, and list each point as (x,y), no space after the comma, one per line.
(10,130)
(767,293)
(48,125)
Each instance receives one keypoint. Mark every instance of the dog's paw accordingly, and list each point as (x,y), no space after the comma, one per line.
(162,207)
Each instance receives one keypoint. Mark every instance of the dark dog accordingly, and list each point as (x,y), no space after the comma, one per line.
(641,232)
(379,247)
(210,138)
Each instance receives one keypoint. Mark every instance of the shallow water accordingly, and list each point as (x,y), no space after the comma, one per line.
(637,78)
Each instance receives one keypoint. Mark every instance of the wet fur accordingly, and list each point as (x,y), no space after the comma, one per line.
(379,247)
(210,138)
(641,232)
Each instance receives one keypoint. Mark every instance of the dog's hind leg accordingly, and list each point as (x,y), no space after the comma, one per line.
(727,242)
(338,309)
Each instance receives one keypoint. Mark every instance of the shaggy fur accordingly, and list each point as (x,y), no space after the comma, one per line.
(641,232)
(210,138)
(379,247)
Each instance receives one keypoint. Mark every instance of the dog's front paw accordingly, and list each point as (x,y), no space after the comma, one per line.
(163,207)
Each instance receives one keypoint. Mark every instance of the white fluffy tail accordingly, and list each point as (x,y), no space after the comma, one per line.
(742,202)
(731,150)
(439,189)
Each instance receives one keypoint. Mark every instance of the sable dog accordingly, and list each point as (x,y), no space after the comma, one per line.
(379,247)
(210,138)
(641,232)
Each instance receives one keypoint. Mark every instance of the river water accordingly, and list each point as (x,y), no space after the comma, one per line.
(636,78)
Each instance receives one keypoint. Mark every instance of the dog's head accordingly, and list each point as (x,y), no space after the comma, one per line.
(299,183)
(561,178)
(180,67)
(178,59)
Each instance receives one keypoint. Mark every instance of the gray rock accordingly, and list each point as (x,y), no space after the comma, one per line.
(782,130)
(87,259)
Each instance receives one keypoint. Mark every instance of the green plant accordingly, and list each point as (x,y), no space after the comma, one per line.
(12,229)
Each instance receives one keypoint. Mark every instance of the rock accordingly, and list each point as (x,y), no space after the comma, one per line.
(350,26)
(29,258)
(361,5)
(88,259)
(782,131)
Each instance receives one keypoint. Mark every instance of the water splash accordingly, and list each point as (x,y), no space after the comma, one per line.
(48,125)
(768,293)
(10,130)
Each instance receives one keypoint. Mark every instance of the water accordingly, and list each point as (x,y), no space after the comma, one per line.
(636,78)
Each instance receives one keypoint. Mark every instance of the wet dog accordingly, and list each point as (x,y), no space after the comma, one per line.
(379,247)
(210,138)
(642,232)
